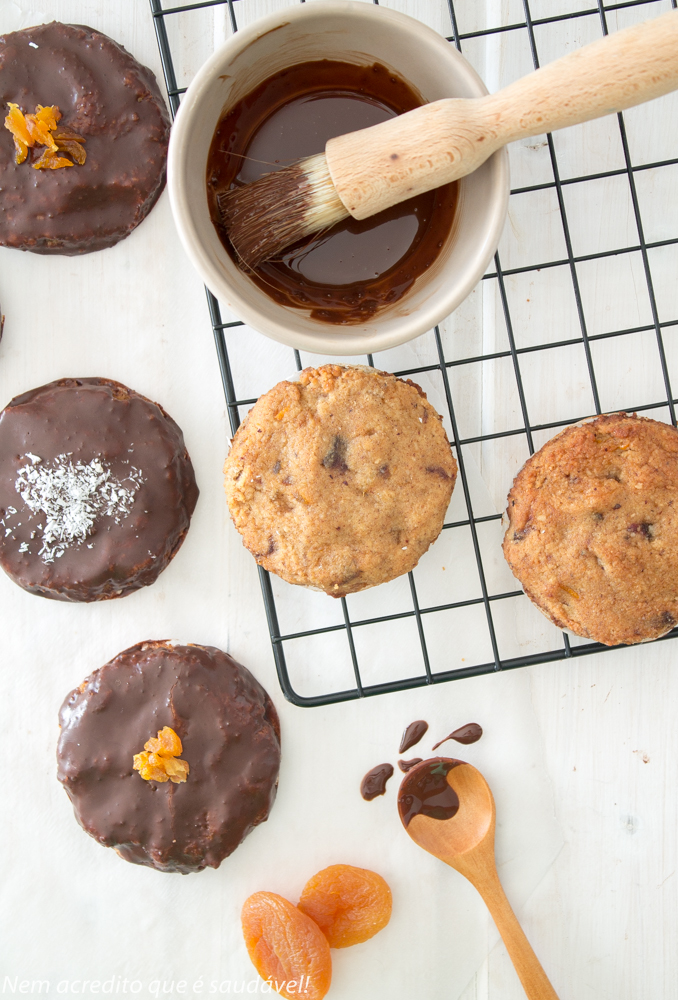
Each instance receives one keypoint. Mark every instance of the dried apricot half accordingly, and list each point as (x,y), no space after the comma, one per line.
(287,948)
(348,904)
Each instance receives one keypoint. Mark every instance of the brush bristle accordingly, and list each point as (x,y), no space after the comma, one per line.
(273,212)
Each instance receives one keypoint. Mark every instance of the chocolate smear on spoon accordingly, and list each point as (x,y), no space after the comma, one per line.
(425,790)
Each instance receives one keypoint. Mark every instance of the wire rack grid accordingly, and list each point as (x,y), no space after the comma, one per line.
(514,19)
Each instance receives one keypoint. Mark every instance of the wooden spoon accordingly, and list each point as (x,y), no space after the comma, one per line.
(447,808)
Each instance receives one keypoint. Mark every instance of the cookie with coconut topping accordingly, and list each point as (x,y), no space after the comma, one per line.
(593,529)
(340,481)
(96,490)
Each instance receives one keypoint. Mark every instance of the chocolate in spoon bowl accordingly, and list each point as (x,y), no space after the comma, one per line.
(427,792)
(447,808)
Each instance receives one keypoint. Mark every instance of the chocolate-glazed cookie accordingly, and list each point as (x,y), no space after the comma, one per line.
(230,738)
(113,102)
(96,490)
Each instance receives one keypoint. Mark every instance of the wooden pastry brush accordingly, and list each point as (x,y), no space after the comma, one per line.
(364,172)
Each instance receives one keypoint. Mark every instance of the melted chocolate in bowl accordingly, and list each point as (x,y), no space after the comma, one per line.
(424,790)
(347,274)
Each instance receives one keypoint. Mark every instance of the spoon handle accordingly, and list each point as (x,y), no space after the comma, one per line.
(484,877)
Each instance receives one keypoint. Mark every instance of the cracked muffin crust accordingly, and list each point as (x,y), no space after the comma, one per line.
(593,529)
(340,481)
(229,736)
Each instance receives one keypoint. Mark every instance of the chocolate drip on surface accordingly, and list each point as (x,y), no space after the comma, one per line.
(425,791)
(412,735)
(470,733)
(374,782)
(407,765)
(347,274)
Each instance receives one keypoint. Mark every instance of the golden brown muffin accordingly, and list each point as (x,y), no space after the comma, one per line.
(340,481)
(593,529)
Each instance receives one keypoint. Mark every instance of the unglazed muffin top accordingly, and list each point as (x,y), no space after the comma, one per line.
(341,480)
(593,529)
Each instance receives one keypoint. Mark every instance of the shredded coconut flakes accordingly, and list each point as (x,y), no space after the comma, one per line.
(73,496)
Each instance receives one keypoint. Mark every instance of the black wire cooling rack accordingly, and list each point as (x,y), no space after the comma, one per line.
(421,614)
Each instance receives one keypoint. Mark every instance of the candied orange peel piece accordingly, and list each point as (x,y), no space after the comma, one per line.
(158,760)
(71,143)
(50,160)
(41,129)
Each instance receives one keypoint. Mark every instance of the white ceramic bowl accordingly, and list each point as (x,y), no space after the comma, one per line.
(354,32)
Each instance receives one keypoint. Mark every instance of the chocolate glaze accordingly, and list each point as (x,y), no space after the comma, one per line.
(104,95)
(425,790)
(95,418)
(412,735)
(346,275)
(231,740)
(407,765)
(374,782)
(470,733)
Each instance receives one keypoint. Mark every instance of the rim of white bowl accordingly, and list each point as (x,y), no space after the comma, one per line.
(342,340)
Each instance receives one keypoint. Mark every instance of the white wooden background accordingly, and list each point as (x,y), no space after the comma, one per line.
(582,757)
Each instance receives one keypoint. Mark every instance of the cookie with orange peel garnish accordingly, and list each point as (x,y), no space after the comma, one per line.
(83,140)
(593,529)
(170,754)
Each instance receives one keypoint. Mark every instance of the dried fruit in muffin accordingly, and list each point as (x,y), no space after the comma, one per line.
(287,948)
(350,905)
(158,761)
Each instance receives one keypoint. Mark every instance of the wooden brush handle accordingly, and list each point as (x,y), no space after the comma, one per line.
(378,167)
